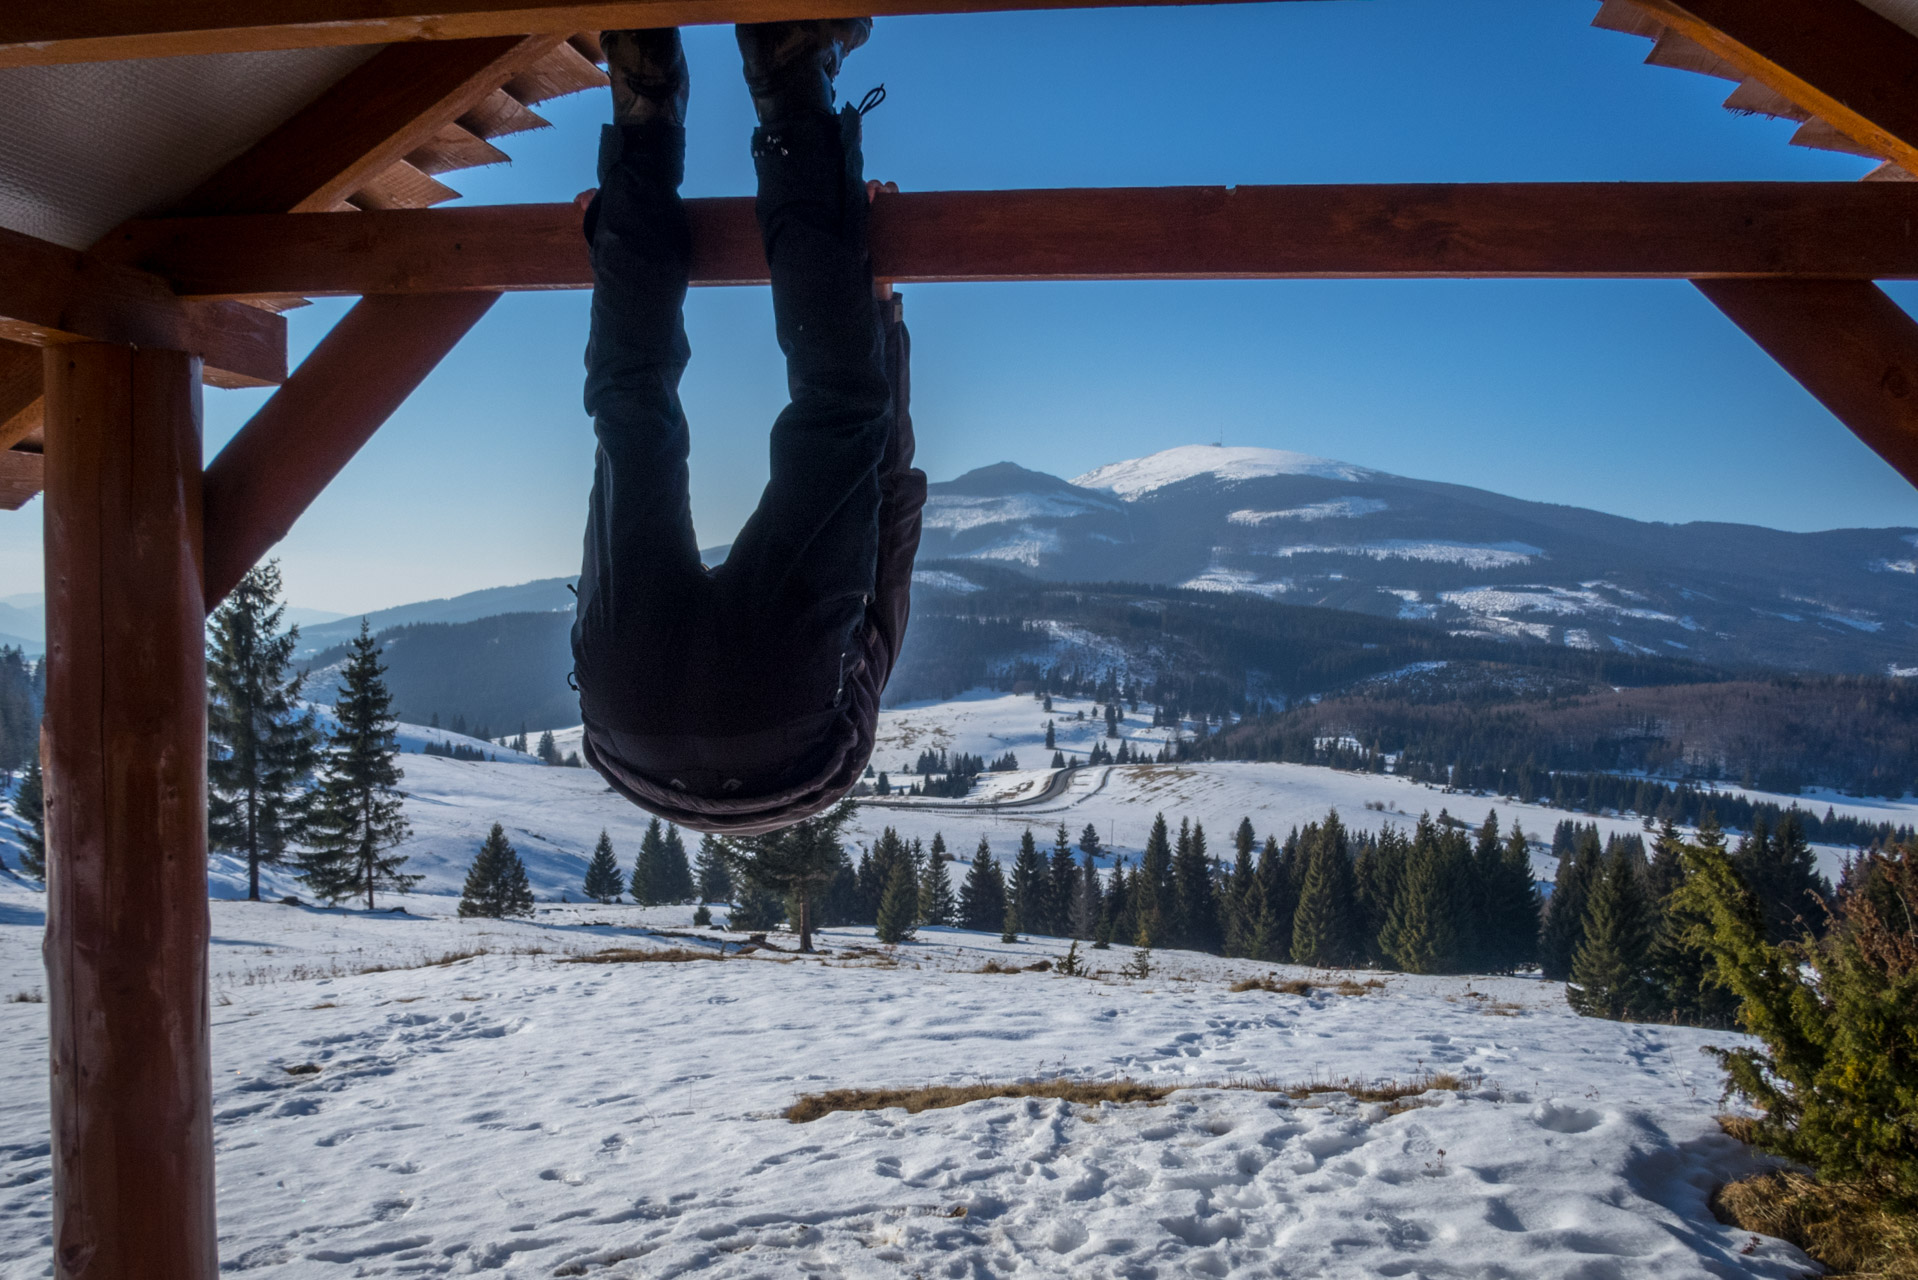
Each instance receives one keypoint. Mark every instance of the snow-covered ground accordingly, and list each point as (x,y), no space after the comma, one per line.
(513,1113)
(553,816)
(482,1105)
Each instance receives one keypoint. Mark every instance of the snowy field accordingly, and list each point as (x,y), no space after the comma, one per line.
(515,1114)
(554,815)
(481,1104)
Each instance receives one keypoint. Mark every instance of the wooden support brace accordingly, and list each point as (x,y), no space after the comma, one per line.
(20,401)
(1849,344)
(22,474)
(124,747)
(1545,229)
(362,371)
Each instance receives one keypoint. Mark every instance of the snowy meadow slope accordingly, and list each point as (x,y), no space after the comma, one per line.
(404,1092)
(512,1112)
(554,816)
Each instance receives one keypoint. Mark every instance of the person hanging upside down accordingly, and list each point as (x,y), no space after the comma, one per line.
(742,698)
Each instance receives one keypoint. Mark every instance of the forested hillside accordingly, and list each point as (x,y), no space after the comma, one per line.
(1853,733)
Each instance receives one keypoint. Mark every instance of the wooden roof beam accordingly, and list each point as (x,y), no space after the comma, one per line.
(37,32)
(1837,59)
(1566,230)
(1847,343)
(364,368)
(390,106)
(51,295)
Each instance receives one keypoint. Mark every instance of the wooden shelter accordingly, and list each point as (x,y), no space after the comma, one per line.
(282,149)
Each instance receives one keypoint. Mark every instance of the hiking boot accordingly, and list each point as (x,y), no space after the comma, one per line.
(648,71)
(790,65)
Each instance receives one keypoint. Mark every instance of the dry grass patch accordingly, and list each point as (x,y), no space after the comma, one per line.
(1397,1095)
(1853,1229)
(26,997)
(930,1097)
(1305,987)
(638,955)
(432,962)
(993,966)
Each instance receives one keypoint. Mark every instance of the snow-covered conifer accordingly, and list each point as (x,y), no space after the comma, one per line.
(603,879)
(496,884)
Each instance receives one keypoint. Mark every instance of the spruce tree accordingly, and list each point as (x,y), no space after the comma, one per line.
(839,904)
(1610,971)
(676,873)
(1195,894)
(649,866)
(262,747)
(899,909)
(798,861)
(1564,928)
(1116,909)
(1378,873)
(982,898)
(936,903)
(19,716)
(714,879)
(1324,931)
(1239,906)
(358,816)
(1025,900)
(496,885)
(1149,894)
(1782,874)
(1421,934)
(1512,907)
(1683,969)
(1062,884)
(1478,928)
(1272,930)
(603,880)
(30,806)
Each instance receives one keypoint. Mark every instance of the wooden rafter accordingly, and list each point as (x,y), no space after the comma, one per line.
(1847,343)
(36,32)
(1675,230)
(1835,59)
(51,295)
(362,371)
(393,105)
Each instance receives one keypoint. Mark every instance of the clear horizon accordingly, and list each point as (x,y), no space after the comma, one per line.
(1630,397)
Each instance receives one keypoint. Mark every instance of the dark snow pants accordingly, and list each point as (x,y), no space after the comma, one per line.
(663,646)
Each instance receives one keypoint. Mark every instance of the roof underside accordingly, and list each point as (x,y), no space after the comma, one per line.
(86,146)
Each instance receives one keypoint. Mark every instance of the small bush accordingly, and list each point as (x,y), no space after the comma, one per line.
(703,917)
(1836,1076)
(1846,1226)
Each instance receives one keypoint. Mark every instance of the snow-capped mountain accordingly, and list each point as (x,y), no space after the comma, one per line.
(1309,530)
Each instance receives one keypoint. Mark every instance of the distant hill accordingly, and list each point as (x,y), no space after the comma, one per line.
(1236,579)
(1313,531)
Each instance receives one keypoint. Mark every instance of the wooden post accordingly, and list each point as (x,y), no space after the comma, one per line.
(125,754)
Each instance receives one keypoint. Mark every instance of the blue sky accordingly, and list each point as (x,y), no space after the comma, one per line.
(1631,397)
